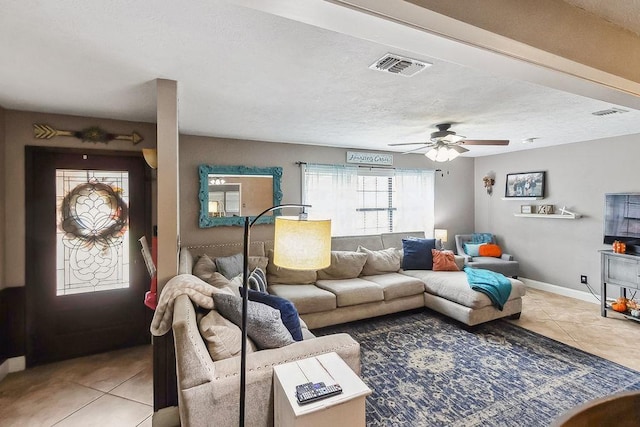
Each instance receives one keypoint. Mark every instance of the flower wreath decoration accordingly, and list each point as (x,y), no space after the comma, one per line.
(81,220)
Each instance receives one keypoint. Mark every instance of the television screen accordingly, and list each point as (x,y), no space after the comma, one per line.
(622,218)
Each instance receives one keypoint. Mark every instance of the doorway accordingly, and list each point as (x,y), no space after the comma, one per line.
(85,276)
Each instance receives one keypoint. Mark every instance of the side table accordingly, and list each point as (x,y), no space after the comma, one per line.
(345,409)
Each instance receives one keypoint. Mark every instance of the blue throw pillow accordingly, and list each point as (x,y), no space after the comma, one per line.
(481,238)
(417,254)
(288,312)
(472,249)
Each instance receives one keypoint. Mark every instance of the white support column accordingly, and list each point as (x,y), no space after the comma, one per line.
(168,209)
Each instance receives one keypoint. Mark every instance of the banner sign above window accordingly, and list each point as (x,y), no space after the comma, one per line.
(370,158)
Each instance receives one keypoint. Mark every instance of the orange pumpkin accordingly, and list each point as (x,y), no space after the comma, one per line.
(619,247)
(619,307)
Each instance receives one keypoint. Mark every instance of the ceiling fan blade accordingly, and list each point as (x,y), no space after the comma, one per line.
(486,142)
(451,139)
(458,148)
(408,143)
(416,149)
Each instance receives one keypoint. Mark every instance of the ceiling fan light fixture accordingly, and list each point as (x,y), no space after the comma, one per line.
(443,153)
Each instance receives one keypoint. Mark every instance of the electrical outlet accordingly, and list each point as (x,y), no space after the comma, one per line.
(583,279)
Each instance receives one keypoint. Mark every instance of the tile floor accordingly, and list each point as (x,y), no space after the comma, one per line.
(115,389)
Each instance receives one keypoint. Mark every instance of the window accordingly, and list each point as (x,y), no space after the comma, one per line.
(363,200)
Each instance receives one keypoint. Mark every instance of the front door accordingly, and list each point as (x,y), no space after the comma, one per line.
(85,275)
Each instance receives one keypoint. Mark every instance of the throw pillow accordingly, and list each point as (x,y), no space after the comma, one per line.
(285,276)
(264,325)
(204,268)
(489,249)
(344,265)
(258,280)
(230,266)
(481,238)
(222,338)
(472,249)
(380,262)
(417,254)
(444,261)
(288,312)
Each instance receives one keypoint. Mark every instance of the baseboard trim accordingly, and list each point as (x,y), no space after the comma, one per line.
(560,290)
(17,364)
(12,364)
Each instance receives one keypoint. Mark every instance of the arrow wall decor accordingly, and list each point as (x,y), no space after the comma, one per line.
(91,134)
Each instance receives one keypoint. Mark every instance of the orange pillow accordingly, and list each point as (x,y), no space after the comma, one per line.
(489,249)
(443,261)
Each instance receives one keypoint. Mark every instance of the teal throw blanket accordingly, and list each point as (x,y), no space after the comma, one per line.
(494,285)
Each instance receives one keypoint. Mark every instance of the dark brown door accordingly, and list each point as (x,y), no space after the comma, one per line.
(85,275)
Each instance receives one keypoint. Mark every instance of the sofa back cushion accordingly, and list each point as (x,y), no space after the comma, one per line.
(394,240)
(285,276)
(351,243)
(344,265)
(380,262)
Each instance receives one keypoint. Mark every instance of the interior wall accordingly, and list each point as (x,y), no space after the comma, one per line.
(454,184)
(558,251)
(18,134)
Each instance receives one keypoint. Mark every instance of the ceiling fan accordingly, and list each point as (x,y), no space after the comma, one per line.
(445,144)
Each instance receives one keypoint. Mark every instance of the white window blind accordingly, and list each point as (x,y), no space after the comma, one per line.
(370,200)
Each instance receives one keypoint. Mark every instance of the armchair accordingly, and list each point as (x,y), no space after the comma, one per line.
(505,264)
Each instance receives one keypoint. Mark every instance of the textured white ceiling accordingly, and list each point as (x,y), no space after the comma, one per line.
(247,74)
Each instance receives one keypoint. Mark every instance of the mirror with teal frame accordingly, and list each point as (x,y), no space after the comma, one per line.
(229,193)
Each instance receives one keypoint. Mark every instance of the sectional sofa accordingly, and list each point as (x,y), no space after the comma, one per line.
(363,281)
(322,300)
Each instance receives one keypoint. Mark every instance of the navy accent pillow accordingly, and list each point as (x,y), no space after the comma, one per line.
(288,312)
(417,254)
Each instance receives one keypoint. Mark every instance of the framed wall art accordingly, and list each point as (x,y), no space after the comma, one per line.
(525,184)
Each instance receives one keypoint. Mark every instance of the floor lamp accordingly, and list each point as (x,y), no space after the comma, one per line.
(299,244)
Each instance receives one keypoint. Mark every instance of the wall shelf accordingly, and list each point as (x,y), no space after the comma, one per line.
(550,216)
(515,199)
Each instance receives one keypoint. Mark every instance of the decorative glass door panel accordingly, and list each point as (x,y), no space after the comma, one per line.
(92,241)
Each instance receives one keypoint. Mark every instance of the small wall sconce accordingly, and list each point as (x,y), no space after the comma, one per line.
(151,157)
(488,183)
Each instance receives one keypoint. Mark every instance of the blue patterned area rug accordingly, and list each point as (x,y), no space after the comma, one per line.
(427,370)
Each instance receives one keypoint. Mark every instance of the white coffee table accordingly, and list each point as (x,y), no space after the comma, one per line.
(345,409)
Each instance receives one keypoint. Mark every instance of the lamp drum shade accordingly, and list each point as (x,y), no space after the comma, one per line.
(302,244)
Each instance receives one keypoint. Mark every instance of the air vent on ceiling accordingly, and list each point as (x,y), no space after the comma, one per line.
(396,64)
(610,111)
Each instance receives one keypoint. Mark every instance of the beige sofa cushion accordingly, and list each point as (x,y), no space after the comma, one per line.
(396,285)
(453,285)
(352,291)
(306,298)
(222,337)
(285,276)
(380,262)
(344,265)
